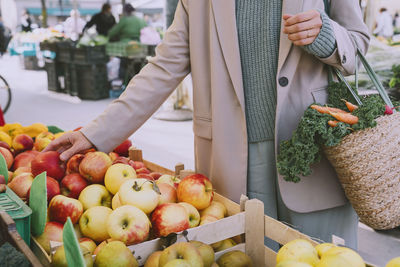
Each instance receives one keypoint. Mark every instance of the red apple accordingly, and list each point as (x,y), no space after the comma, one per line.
(137,164)
(24,159)
(22,142)
(21,184)
(49,162)
(113,156)
(123,148)
(168,193)
(197,190)
(53,189)
(72,185)
(5,145)
(94,166)
(62,207)
(73,163)
(155,175)
(145,176)
(122,160)
(88,150)
(53,231)
(8,156)
(2,179)
(143,171)
(77,129)
(169,218)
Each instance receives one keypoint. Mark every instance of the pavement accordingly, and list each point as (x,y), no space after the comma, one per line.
(163,142)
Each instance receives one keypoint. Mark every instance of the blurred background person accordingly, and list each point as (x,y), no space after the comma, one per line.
(74,25)
(396,21)
(384,24)
(129,26)
(26,22)
(103,20)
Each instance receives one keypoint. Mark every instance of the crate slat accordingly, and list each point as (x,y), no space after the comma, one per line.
(282,233)
(208,233)
(254,225)
(270,257)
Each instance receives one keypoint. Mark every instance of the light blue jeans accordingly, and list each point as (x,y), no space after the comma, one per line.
(262,184)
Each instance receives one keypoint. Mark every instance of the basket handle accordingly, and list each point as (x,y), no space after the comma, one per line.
(372,75)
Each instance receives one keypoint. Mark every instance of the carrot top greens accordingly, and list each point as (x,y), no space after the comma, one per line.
(297,154)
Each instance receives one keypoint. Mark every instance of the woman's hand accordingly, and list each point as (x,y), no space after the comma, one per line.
(303,28)
(69,144)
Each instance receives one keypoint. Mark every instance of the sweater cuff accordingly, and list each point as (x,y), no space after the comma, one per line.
(325,43)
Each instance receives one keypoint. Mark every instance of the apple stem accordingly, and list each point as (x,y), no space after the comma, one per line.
(136,187)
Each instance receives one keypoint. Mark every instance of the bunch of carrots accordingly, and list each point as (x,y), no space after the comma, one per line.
(339,114)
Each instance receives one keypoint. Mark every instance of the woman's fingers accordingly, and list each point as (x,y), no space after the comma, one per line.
(303,26)
(67,154)
(58,143)
(303,34)
(301,17)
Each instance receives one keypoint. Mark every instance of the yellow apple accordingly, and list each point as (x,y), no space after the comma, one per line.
(58,259)
(298,250)
(168,179)
(183,251)
(115,253)
(235,258)
(206,252)
(153,259)
(224,244)
(115,203)
(340,256)
(117,175)
(193,213)
(87,243)
(207,219)
(394,262)
(139,193)
(216,209)
(178,263)
(324,247)
(95,195)
(92,223)
(128,224)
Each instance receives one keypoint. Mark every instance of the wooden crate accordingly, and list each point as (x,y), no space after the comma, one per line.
(9,233)
(245,222)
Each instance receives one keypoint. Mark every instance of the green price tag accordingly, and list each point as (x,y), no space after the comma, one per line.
(72,250)
(3,167)
(38,204)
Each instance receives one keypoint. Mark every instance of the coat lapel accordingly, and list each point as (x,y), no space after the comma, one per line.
(225,20)
(288,7)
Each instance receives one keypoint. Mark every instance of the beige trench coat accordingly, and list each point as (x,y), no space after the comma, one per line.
(203,40)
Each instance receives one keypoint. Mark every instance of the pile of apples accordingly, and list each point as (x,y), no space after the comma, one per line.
(196,254)
(108,196)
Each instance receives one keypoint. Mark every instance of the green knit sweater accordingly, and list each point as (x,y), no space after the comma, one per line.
(258,25)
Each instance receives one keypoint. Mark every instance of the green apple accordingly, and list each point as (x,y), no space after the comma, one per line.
(216,209)
(206,252)
(92,223)
(58,259)
(235,258)
(139,193)
(193,213)
(115,254)
(224,244)
(153,259)
(95,195)
(183,251)
(178,263)
(117,175)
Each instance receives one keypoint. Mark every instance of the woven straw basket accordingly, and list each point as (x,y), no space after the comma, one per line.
(367,163)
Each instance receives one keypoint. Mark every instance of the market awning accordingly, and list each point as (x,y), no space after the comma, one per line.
(56,11)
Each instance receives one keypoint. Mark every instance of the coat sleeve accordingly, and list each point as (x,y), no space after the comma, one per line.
(350,32)
(146,91)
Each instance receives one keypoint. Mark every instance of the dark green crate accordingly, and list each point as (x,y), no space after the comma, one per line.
(19,212)
(85,55)
(54,71)
(92,81)
(65,52)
